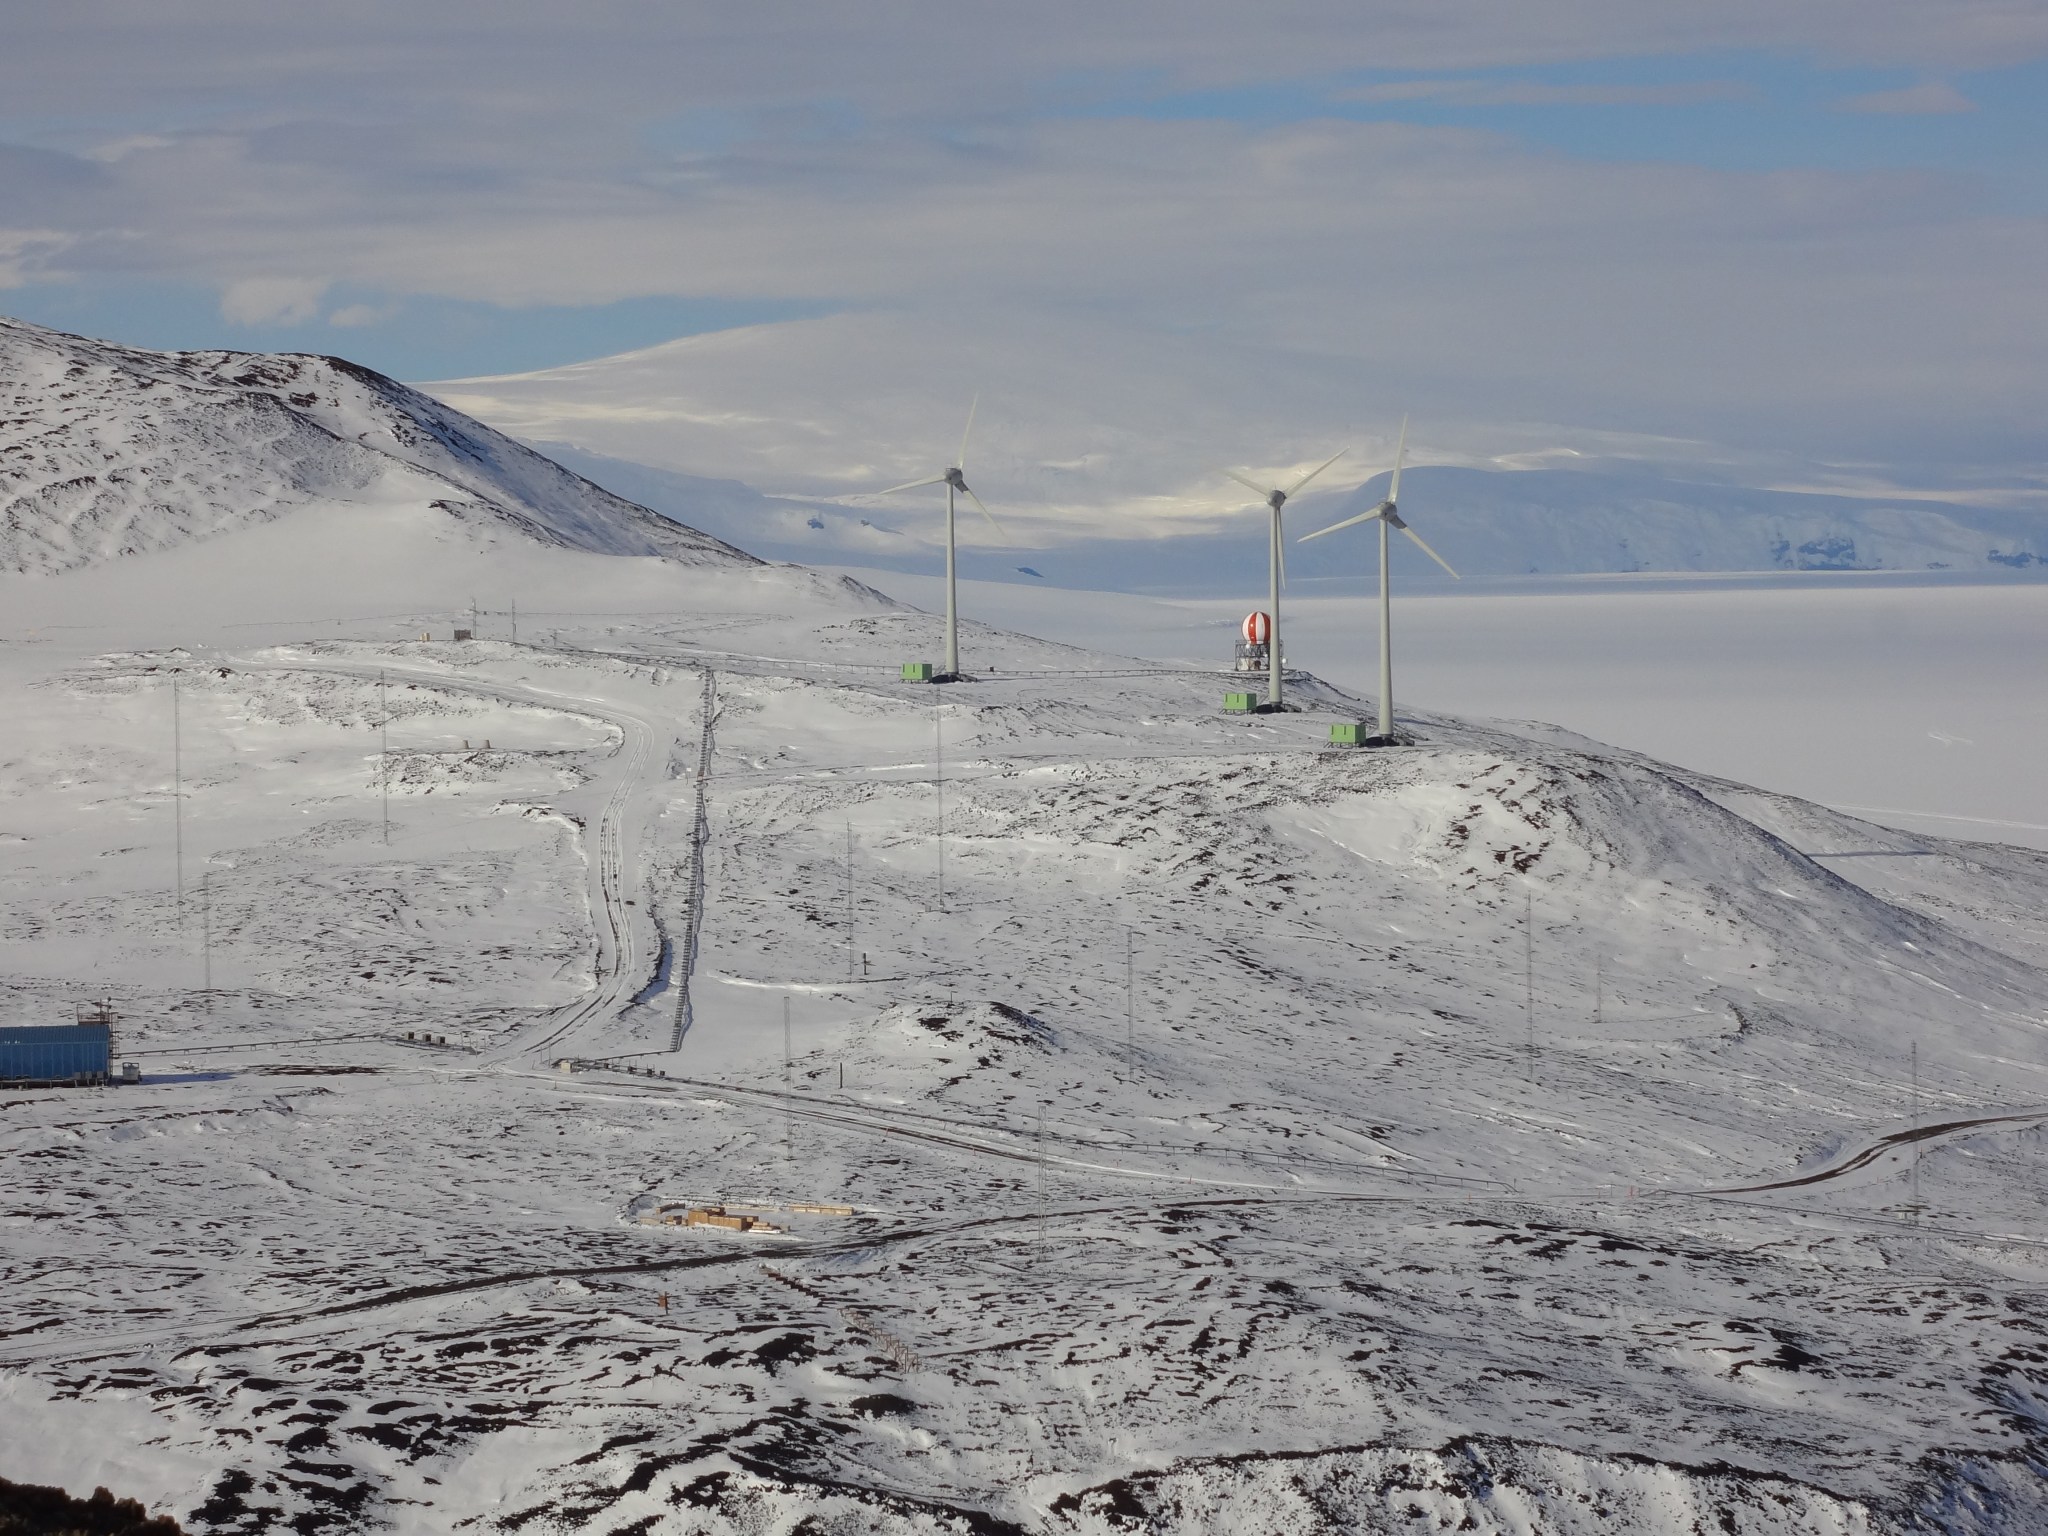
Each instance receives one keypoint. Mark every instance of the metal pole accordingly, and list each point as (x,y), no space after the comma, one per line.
(1915,1168)
(178,796)
(1130,1007)
(384,751)
(515,621)
(1386,730)
(1598,990)
(1041,1181)
(206,936)
(1529,971)
(788,1117)
(939,761)
(952,594)
(849,898)
(1273,598)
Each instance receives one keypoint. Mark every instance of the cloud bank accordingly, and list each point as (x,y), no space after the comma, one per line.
(1067,192)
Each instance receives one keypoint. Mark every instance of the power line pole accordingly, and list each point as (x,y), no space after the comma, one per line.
(1130,1006)
(788,1115)
(473,634)
(1597,991)
(178,795)
(1914,1169)
(206,936)
(384,751)
(939,762)
(515,621)
(849,898)
(1041,1181)
(1529,972)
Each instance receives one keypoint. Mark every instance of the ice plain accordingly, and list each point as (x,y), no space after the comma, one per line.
(1502,1132)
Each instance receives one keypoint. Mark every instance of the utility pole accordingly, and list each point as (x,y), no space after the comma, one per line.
(849,898)
(1130,1006)
(1529,972)
(1597,997)
(1914,1167)
(473,634)
(178,796)
(788,1115)
(515,621)
(939,762)
(206,936)
(1041,1181)
(384,751)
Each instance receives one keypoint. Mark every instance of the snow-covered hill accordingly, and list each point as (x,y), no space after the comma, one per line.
(1501,1133)
(1171,1122)
(108,451)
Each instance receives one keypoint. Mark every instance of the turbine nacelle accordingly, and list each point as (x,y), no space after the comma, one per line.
(954,479)
(1387,511)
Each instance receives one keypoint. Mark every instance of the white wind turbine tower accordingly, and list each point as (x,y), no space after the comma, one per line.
(955,482)
(1276,563)
(1387,514)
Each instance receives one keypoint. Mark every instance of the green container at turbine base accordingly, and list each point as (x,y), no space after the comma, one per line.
(918,671)
(1346,733)
(1240,703)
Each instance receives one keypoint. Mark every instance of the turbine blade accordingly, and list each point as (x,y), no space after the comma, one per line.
(1249,484)
(961,462)
(1400,455)
(912,485)
(1439,559)
(1349,522)
(1304,480)
(987,514)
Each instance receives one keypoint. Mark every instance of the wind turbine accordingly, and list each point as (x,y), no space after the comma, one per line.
(1276,563)
(1387,514)
(955,482)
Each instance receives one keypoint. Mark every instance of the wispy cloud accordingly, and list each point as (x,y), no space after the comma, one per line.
(263,300)
(945,166)
(1532,93)
(1930,98)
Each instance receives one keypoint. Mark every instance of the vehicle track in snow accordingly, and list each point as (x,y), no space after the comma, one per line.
(611,868)
(1864,1156)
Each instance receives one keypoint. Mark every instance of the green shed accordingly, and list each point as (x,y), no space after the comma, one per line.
(1240,703)
(917,671)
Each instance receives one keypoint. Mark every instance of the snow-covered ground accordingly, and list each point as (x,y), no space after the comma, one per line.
(1502,1132)
(1919,703)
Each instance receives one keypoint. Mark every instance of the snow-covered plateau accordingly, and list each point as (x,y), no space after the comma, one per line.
(1154,1119)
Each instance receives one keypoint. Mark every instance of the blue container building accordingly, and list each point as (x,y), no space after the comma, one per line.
(56,1053)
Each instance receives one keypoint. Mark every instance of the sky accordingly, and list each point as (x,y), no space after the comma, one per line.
(1800,235)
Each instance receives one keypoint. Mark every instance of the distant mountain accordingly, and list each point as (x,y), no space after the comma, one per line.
(107,451)
(1486,523)
(1554,521)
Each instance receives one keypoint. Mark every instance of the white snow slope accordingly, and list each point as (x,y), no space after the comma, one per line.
(1496,1133)
(108,450)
